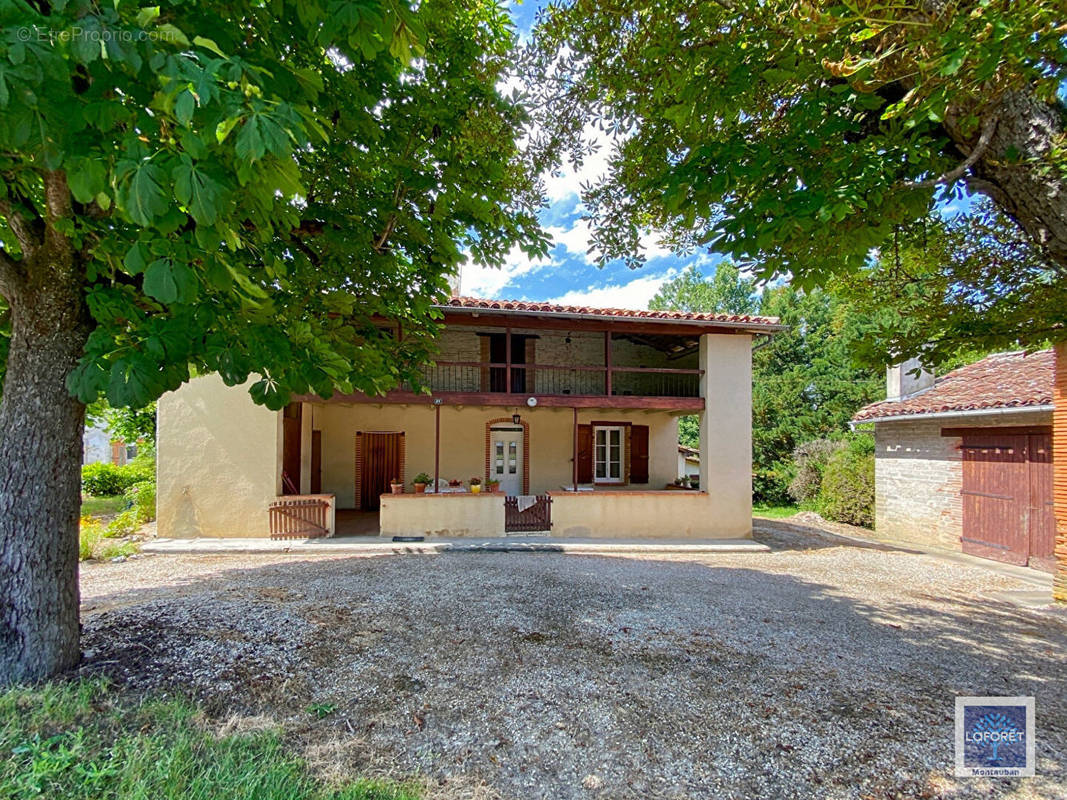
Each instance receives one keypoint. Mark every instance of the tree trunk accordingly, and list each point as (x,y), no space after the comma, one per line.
(40,480)
(1014,171)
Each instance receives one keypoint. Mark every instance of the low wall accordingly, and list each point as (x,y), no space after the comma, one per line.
(643,515)
(442,515)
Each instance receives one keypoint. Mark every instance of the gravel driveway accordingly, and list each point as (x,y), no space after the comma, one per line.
(816,670)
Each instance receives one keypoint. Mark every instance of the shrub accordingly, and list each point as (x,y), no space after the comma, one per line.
(142,499)
(809,461)
(125,524)
(770,485)
(847,493)
(102,480)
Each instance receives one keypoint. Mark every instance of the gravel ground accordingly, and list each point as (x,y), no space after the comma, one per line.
(817,670)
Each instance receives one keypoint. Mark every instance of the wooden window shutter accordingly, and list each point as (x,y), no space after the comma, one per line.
(638,454)
(585,454)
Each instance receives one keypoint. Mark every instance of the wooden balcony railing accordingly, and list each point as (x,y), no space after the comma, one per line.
(560,380)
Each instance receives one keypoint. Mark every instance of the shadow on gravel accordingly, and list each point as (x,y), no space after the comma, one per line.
(784,534)
(543,677)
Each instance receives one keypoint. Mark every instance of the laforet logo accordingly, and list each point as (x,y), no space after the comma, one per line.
(991,731)
(994,736)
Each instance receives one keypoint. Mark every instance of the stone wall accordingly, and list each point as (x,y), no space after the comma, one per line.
(919,475)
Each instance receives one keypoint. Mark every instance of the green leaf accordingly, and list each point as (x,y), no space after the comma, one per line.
(141,196)
(86,178)
(197,192)
(147,15)
(222,130)
(954,62)
(208,44)
(170,282)
(184,107)
(171,33)
(135,259)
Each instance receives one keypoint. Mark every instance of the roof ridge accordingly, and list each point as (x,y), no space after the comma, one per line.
(465,301)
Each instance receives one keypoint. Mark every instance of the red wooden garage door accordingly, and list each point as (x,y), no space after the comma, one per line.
(1007,497)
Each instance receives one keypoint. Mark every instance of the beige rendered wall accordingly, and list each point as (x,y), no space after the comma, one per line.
(217,456)
(647,515)
(442,515)
(463,441)
(726,431)
(918,475)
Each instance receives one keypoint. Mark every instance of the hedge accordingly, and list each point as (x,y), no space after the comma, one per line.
(102,480)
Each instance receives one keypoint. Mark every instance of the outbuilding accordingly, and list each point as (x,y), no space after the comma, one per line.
(964,461)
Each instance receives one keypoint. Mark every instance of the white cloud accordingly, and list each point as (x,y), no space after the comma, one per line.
(574,239)
(477,280)
(633,295)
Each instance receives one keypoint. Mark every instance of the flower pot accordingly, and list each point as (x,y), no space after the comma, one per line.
(476,489)
(397,488)
(492,488)
(420,488)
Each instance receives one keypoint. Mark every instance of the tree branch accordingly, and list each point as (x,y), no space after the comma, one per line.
(57,207)
(10,276)
(27,238)
(951,177)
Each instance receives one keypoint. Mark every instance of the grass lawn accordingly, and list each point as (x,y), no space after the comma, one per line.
(103,506)
(774,512)
(75,740)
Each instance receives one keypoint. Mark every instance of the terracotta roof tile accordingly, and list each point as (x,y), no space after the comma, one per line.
(549,308)
(1002,380)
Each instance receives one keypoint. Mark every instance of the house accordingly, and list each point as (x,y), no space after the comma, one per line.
(965,461)
(689,463)
(573,410)
(100,447)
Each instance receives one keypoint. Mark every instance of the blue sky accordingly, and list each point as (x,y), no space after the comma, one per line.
(568,276)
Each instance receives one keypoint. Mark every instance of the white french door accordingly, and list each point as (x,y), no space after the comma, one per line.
(505,459)
(607,454)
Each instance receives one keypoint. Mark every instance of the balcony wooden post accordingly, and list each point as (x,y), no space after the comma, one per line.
(436,444)
(574,451)
(507,360)
(607,363)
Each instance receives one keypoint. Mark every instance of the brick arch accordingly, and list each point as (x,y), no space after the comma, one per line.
(525,448)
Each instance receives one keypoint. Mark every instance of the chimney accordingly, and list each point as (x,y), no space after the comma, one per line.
(454,283)
(900,383)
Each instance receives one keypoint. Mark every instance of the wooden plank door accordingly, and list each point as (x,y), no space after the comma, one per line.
(638,454)
(316,462)
(1042,533)
(996,497)
(381,459)
(291,422)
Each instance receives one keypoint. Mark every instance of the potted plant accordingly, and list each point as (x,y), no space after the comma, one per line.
(396,486)
(420,482)
(492,486)
(476,485)
(454,483)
